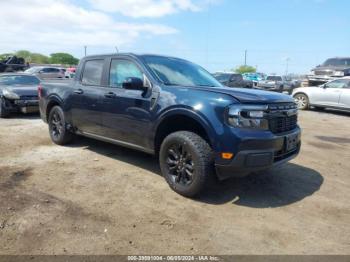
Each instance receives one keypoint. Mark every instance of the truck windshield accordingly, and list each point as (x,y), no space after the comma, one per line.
(18,80)
(337,62)
(178,72)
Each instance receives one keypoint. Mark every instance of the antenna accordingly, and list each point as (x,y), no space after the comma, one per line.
(116,49)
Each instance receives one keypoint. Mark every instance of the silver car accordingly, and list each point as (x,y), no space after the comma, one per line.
(276,83)
(46,72)
(334,94)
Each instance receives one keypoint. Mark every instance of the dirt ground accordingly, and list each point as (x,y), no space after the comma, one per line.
(96,198)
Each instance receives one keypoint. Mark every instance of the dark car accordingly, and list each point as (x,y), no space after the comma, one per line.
(176,110)
(12,64)
(331,69)
(18,93)
(233,80)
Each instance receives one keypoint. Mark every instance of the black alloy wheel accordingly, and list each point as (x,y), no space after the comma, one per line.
(57,127)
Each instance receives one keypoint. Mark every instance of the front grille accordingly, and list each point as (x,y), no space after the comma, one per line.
(29,97)
(282,117)
(323,72)
(283,124)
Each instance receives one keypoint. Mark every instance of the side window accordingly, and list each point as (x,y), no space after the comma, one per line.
(337,84)
(121,70)
(92,72)
(45,70)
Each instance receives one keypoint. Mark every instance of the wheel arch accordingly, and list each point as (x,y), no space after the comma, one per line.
(53,101)
(182,120)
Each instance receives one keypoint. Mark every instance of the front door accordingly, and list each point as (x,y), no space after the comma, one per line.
(344,100)
(127,114)
(330,94)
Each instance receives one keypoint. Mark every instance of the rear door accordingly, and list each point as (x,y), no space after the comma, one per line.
(45,73)
(330,94)
(86,98)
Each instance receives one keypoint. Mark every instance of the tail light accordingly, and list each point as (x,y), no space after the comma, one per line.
(40,89)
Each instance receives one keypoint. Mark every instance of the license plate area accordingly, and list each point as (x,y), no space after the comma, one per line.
(292,141)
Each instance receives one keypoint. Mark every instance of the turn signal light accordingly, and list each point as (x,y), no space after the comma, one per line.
(226,155)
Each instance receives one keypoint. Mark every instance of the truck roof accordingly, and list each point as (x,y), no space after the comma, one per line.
(127,54)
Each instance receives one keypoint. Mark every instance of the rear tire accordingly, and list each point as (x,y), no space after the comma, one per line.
(186,162)
(57,127)
(3,112)
(302,101)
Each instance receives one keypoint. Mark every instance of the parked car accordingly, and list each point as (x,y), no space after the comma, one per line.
(233,80)
(12,64)
(18,93)
(174,109)
(334,94)
(254,77)
(332,68)
(70,72)
(44,72)
(277,83)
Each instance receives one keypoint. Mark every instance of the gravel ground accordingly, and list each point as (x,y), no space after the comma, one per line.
(96,198)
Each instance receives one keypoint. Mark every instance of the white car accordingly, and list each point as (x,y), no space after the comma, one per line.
(334,94)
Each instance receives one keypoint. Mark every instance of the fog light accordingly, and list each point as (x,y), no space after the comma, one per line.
(226,155)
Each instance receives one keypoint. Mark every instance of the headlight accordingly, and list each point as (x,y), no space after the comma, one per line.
(9,94)
(247,116)
(338,73)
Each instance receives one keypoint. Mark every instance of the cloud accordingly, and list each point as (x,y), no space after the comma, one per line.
(60,25)
(150,8)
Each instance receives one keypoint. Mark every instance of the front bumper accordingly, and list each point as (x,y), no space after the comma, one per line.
(258,154)
(24,106)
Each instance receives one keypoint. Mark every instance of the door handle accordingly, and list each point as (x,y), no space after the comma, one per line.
(110,95)
(79,91)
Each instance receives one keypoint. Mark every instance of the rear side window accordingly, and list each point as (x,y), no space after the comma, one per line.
(92,72)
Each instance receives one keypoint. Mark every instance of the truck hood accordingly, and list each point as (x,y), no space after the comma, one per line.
(245,95)
(22,90)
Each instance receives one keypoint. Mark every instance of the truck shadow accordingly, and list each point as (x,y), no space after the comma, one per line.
(277,187)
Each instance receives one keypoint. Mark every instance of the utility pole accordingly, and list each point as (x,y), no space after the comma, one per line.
(245,57)
(287,65)
(85,47)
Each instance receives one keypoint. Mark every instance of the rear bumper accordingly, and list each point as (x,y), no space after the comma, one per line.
(268,153)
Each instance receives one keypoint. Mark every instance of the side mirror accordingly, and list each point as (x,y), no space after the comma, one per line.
(134,83)
(324,86)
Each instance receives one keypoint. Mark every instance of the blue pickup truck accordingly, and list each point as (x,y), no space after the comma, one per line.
(176,110)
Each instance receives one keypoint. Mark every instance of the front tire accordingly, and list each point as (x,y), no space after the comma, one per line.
(186,162)
(302,101)
(57,127)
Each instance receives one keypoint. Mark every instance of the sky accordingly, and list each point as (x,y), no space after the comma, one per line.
(212,33)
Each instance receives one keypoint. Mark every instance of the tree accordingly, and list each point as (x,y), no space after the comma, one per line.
(24,54)
(63,58)
(245,69)
(38,58)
